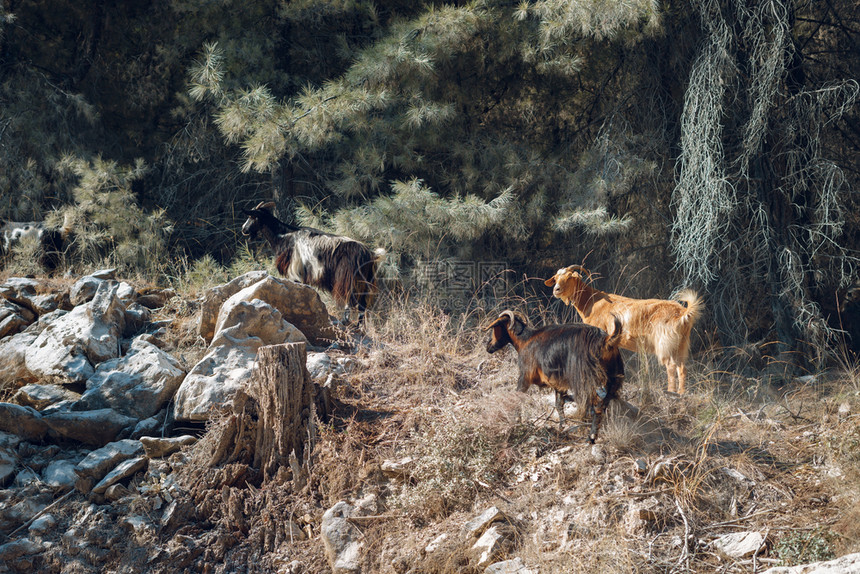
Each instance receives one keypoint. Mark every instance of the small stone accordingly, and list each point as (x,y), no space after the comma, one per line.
(42,525)
(492,543)
(161,447)
(398,470)
(515,566)
(122,471)
(116,492)
(738,544)
(435,543)
(479,524)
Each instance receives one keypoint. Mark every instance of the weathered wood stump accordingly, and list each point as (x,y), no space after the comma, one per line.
(284,394)
(272,426)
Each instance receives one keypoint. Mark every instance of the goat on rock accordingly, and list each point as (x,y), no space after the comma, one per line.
(575,359)
(654,326)
(342,266)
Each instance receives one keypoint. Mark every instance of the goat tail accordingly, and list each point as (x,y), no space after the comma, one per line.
(694,305)
(614,338)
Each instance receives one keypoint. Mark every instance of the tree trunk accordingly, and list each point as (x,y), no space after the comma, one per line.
(284,395)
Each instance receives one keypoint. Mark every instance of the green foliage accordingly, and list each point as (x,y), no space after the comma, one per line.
(205,273)
(25,258)
(424,102)
(108,225)
(414,220)
(561,20)
(805,547)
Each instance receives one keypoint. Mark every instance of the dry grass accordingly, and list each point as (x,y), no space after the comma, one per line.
(733,454)
(739,452)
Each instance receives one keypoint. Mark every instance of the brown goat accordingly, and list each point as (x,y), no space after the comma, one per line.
(574,358)
(655,326)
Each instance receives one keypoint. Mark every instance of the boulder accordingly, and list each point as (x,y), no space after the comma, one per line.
(96,428)
(14,514)
(43,396)
(136,318)
(215,297)
(95,466)
(50,302)
(848,564)
(341,539)
(154,298)
(25,293)
(298,304)
(42,526)
(478,525)
(85,288)
(13,318)
(69,346)
(151,426)
(8,464)
(26,422)
(14,554)
(126,292)
(26,477)
(252,323)
(243,326)
(136,385)
(19,290)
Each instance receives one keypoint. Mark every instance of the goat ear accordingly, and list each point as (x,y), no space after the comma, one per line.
(550,282)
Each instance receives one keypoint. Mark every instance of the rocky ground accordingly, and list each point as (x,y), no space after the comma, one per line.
(116,400)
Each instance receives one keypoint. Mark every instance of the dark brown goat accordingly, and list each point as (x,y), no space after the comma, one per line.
(337,264)
(574,358)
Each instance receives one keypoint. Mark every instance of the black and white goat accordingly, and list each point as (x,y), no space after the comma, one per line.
(53,242)
(342,266)
(575,359)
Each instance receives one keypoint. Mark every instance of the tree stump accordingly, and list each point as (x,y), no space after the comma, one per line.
(284,394)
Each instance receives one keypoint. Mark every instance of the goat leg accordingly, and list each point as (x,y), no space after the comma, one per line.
(559,406)
(595,423)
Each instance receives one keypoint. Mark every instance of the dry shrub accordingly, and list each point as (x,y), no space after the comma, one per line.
(419,345)
(344,460)
(597,550)
(25,258)
(460,452)
(619,431)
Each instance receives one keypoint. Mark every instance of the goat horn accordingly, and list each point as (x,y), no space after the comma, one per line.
(266,205)
(580,268)
(507,315)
